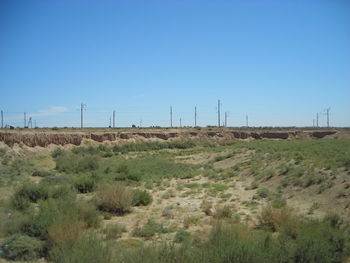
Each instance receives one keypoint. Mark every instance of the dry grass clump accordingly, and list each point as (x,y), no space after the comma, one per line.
(206,207)
(282,219)
(223,212)
(114,199)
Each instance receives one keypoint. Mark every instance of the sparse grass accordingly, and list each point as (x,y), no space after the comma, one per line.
(190,221)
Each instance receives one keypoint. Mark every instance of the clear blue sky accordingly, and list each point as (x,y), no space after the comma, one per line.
(280,62)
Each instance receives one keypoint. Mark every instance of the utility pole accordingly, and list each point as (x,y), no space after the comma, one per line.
(317,119)
(219,113)
(114,119)
(195,116)
(225,118)
(180,123)
(110,122)
(328,117)
(82,108)
(141,123)
(246,120)
(25,120)
(2,119)
(171,116)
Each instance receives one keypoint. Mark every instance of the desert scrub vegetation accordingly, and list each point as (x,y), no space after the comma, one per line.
(115,198)
(151,228)
(152,146)
(322,153)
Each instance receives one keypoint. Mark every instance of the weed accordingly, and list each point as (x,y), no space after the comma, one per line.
(141,198)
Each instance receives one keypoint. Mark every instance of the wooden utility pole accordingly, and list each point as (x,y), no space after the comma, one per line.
(171,116)
(195,116)
(114,119)
(218,113)
(2,119)
(25,120)
(180,123)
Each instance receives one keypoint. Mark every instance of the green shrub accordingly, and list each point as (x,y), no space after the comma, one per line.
(263,192)
(87,249)
(41,173)
(182,236)
(57,152)
(64,191)
(22,247)
(124,173)
(72,163)
(29,192)
(141,198)
(114,231)
(84,183)
(114,198)
(149,229)
(59,213)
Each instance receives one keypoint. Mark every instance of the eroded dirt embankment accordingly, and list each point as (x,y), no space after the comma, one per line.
(44,139)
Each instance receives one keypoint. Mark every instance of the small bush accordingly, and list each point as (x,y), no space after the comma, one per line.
(84,183)
(57,152)
(87,249)
(29,192)
(72,163)
(263,192)
(22,247)
(41,173)
(281,219)
(206,207)
(223,212)
(141,198)
(123,174)
(114,231)
(190,220)
(150,229)
(114,198)
(59,214)
(182,236)
(65,231)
